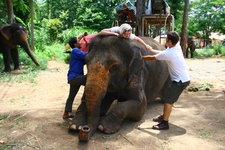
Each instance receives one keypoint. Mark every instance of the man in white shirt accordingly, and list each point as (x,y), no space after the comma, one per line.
(178,72)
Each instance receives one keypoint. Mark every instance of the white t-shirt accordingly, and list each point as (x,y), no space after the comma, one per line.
(116,30)
(176,63)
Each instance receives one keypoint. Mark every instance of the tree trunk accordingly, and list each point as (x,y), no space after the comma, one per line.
(184,35)
(9,5)
(49,6)
(32,23)
(140,10)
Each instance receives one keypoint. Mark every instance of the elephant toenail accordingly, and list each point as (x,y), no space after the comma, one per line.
(100,127)
(72,127)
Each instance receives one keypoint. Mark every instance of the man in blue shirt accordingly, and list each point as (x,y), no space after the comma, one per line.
(75,75)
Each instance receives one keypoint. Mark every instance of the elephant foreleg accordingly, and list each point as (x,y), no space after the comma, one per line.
(131,109)
(15,58)
(187,53)
(6,59)
(192,54)
(106,103)
(80,117)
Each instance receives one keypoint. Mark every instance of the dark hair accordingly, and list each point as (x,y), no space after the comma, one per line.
(173,36)
(85,34)
(72,41)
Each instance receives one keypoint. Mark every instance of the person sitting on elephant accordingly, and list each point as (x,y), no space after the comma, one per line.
(125,30)
(178,72)
(79,37)
(75,75)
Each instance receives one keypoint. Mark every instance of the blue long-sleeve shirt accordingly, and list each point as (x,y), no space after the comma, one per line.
(76,63)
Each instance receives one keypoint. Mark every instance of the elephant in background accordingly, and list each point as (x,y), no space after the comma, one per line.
(12,35)
(191,45)
(117,71)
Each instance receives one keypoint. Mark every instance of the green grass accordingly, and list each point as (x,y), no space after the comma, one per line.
(204,134)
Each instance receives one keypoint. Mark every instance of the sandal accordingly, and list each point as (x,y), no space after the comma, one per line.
(67,116)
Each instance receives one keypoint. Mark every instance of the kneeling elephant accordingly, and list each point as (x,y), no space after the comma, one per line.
(117,71)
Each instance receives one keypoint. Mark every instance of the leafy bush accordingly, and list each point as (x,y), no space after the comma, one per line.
(56,51)
(219,49)
(27,64)
(54,27)
(204,53)
(1,60)
(75,31)
(41,38)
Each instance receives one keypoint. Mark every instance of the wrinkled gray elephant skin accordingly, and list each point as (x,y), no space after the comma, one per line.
(12,35)
(117,71)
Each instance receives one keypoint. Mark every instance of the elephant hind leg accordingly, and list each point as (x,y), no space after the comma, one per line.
(80,118)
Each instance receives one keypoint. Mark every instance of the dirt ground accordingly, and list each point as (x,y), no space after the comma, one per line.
(31,115)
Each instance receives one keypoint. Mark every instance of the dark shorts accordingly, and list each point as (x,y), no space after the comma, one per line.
(174,91)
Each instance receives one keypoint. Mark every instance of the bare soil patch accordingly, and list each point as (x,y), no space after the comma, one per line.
(31,115)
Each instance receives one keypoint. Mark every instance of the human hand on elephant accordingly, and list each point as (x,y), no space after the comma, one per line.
(148,47)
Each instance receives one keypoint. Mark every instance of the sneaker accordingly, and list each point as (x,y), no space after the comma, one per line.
(161,126)
(158,118)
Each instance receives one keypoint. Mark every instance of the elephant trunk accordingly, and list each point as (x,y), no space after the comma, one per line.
(95,90)
(26,47)
(33,59)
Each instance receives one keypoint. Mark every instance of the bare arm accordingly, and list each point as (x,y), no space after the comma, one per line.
(139,40)
(107,32)
(148,47)
(149,57)
(154,51)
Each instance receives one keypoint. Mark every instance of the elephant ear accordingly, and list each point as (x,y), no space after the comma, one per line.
(136,63)
(5,30)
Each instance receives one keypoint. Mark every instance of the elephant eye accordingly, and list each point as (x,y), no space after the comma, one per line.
(114,68)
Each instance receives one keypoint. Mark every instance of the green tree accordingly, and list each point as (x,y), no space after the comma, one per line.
(205,17)
(66,10)
(177,9)
(96,14)
(22,11)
